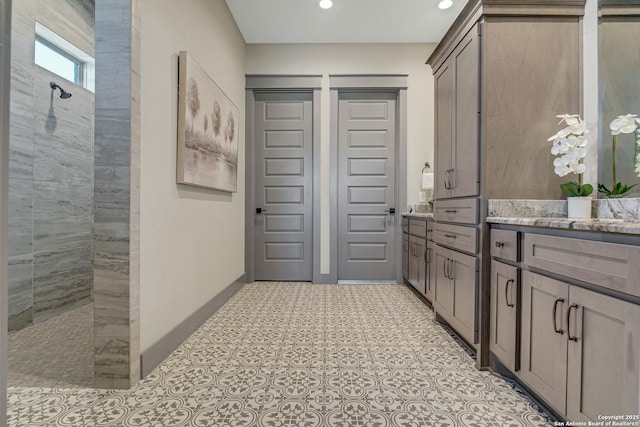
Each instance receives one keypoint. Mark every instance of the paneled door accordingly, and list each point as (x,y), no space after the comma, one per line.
(284,187)
(366,186)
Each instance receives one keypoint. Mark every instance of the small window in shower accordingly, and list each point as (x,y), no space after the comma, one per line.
(59,56)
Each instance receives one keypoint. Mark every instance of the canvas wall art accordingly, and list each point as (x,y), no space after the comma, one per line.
(207,130)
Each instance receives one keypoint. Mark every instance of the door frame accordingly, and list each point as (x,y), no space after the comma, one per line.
(370,83)
(279,83)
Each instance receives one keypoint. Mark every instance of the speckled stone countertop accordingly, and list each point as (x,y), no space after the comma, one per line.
(624,226)
(418,215)
(611,216)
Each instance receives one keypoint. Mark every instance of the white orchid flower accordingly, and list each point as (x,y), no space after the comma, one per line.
(569,119)
(624,124)
(569,145)
(579,128)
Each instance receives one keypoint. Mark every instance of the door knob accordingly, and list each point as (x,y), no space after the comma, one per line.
(391,211)
(260,210)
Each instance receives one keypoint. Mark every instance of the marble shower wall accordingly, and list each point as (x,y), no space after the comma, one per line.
(51,170)
(117,198)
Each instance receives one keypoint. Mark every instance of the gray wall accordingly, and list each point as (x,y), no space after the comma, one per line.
(5,35)
(50,170)
(117,195)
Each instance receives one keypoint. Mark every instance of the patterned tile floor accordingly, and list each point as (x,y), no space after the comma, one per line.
(291,354)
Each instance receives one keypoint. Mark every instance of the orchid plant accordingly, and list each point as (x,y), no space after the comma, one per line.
(569,144)
(626,124)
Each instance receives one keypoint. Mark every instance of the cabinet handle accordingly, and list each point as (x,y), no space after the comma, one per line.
(452,182)
(499,244)
(425,255)
(451,211)
(450,236)
(446,181)
(452,270)
(506,292)
(445,264)
(571,338)
(555,316)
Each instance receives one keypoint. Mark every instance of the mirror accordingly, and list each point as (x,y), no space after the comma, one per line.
(619,86)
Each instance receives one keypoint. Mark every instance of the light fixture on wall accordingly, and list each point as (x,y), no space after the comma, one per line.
(445,4)
(325,4)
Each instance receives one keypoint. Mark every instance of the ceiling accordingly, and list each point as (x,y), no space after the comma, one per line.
(348,21)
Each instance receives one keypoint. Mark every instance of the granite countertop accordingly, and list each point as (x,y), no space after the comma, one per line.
(418,215)
(610,216)
(625,226)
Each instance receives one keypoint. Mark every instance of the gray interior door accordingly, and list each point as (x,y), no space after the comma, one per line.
(366,186)
(283,187)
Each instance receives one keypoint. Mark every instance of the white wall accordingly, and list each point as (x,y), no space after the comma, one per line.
(191,240)
(359,59)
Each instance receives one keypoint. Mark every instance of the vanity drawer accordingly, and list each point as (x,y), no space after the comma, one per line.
(457,237)
(430,226)
(610,265)
(405,224)
(463,211)
(418,227)
(504,244)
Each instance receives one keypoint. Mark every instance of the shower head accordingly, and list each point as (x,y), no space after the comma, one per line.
(63,93)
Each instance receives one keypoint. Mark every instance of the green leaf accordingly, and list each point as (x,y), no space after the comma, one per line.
(571,188)
(586,190)
(604,190)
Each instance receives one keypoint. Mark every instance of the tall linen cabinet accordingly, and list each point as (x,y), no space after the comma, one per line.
(502,73)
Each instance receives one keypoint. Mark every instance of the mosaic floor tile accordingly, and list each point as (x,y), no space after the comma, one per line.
(301,355)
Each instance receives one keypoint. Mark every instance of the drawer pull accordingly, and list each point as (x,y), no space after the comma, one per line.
(571,338)
(499,244)
(450,236)
(555,316)
(506,292)
(451,211)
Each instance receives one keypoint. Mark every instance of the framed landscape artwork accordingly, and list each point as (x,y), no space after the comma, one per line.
(207,130)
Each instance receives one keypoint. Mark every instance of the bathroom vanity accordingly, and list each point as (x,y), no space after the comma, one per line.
(565,310)
(418,253)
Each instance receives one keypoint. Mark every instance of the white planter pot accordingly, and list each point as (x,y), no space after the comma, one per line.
(579,207)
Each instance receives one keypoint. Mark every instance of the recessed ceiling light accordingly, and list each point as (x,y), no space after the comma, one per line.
(325,4)
(445,4)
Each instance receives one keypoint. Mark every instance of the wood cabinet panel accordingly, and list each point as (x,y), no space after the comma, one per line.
(444,128)
(505,327)
(611,265)
(604,352)
(504,244)
(430,270)
(405,256)
(418,227)
(544,346)
(456,280)
(461,211)
(416,263)
(443,288)
(457,237)
(464,176)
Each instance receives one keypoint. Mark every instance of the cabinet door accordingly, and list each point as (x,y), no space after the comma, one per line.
(444,128)
(463,310)
(544,338)
(604,352)
(405,256)
(430,272)
(504,314)
(414,262)
(442,292)
(465,155)
(422,265)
